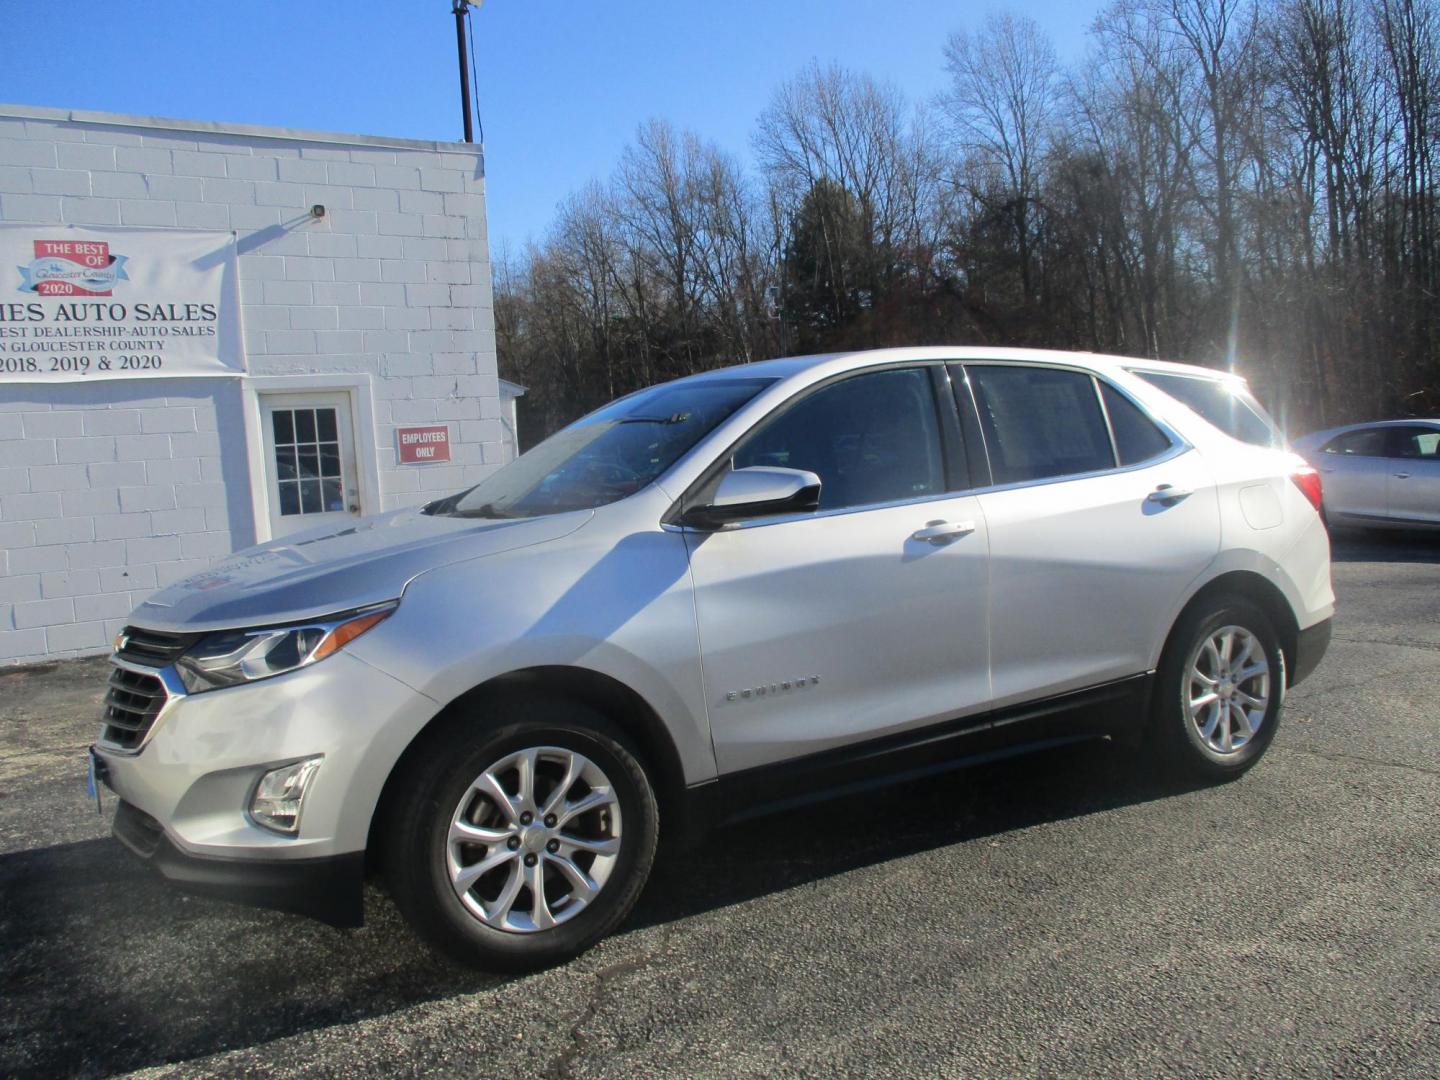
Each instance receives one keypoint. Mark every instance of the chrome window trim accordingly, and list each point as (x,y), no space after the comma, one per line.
(1174,452)
(174,692)
(1179,445)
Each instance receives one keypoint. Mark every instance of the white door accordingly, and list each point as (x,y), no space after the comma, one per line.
(828,628)
(1085,566)
(309,460)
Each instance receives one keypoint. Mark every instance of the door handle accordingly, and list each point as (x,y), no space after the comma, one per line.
(1402,476)
(1331,469)
(1166,494)
(942,532)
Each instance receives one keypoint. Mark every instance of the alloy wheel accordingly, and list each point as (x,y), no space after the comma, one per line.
(534,839)
(1227,689)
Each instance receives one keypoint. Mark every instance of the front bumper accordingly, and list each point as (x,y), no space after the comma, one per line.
(186,793)
(326,888)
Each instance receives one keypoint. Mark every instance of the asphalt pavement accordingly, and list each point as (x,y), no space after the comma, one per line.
(1065,914)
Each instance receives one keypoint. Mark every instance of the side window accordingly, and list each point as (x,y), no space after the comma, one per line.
(872,438)
(1414,442)
(1040,422)
(1227,405)
(1137,438)
(1368,442)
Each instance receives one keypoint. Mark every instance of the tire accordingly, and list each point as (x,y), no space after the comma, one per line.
(490,918)
(1208,740)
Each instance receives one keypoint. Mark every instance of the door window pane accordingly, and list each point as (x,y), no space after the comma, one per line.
(1414,442)
(1040,423)
(1137,438)
(289,497)
(872,438)
(1367,442)
(310,497)
(307,448)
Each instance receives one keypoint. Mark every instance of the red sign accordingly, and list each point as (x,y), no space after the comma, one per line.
(72,268)
(422,445)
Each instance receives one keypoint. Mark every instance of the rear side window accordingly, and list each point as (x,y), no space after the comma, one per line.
(1040,422)
(871,438)
(1137,438)
(1414,442)
(1369,442)
(1227,405)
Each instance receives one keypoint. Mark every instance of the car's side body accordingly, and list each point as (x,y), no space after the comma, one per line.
(768,661)
(1384,474)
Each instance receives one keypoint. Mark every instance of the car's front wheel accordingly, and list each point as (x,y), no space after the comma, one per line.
(528,843)
(1219,690)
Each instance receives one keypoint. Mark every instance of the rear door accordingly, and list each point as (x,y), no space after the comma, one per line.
(1099,520)
(1413,482)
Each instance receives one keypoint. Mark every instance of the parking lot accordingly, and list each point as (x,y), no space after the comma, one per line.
(1062,915)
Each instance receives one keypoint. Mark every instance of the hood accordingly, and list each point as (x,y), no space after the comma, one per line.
(336,568)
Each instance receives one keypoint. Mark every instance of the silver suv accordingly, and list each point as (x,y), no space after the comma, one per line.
(740,589)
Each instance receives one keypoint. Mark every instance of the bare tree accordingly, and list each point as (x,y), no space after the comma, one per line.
(1001,104)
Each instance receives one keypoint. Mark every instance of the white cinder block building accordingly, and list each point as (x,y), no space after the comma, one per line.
(212,335)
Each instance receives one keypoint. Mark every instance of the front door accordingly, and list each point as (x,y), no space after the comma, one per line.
(1354,470)
(309,460)
(841,625)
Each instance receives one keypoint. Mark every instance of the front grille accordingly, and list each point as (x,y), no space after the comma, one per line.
(131,706)
(154,648)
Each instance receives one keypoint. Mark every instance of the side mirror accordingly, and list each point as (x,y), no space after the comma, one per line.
(758,491)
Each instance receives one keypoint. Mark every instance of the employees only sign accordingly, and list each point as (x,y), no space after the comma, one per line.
(422,445)
(81,304)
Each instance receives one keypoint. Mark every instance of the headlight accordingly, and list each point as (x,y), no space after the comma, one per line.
(230,657)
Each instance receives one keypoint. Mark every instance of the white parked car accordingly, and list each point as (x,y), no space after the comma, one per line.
(1379,475)
(725,594)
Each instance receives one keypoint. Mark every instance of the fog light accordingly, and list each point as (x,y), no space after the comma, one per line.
(280,795)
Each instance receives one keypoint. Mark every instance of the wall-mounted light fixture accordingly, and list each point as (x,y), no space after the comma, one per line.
(317,211)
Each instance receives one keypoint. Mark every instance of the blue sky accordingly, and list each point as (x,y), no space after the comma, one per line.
(563,83)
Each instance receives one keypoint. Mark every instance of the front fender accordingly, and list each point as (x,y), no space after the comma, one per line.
(620,605)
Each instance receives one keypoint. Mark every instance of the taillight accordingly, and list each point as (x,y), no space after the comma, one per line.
(1307,479)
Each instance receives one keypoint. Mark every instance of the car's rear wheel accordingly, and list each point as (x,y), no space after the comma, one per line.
(526,845)
(1219,691)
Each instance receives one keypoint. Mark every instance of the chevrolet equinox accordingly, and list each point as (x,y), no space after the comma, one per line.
(736,590)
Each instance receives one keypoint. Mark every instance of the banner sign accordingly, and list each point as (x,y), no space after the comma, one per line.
(80,304)
(422,445)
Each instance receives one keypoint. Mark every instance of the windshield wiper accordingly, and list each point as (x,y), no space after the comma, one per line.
(485,510)
(673,418)
(443,506)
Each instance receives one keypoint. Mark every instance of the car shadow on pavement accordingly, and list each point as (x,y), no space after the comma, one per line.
(107,968)
(1392,546)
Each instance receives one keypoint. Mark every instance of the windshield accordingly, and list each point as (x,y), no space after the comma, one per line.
(612,453)
(1227,405)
